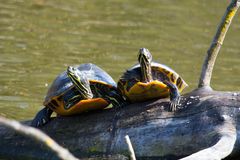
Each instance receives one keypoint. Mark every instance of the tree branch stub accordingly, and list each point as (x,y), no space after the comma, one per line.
(216,44)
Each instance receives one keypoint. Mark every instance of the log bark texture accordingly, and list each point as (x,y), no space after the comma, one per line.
(156,133)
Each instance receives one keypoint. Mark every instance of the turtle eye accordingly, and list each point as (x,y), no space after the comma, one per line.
(72,72)
(149,57)
(69,70)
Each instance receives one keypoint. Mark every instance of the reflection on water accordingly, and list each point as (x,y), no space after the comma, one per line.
(39,39)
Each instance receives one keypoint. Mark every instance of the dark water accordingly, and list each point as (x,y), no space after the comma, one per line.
(40,38)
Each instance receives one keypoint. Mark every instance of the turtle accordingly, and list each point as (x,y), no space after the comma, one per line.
(79,89)
(150,80)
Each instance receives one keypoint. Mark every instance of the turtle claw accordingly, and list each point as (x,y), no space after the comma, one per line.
(39,121)
(41,118)
(115,98)
(174,104)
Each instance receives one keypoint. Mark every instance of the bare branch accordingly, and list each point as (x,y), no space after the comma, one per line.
(130,148)
(216,44)
(39,136)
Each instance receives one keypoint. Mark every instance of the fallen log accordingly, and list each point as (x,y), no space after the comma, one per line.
(205,118)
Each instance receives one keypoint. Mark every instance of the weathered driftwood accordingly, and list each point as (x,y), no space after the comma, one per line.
(207,119)
(39,136)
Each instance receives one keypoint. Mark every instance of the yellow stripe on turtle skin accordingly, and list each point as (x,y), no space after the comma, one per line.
(82,106)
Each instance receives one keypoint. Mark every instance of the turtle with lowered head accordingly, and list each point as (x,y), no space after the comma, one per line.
(79,89)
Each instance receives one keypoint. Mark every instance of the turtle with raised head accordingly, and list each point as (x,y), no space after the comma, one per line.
(79,89)
(150,80)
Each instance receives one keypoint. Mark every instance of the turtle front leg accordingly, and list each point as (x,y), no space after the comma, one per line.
(115,98)
(111,95)
(42,117)
(174,95)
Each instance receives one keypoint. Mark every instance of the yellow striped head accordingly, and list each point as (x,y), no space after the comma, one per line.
(144,56)
(145,59)
(80,81)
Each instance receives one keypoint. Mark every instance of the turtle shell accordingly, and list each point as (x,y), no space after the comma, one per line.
(62,88)
(133,89)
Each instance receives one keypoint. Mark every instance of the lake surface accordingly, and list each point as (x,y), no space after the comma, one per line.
(40,38)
